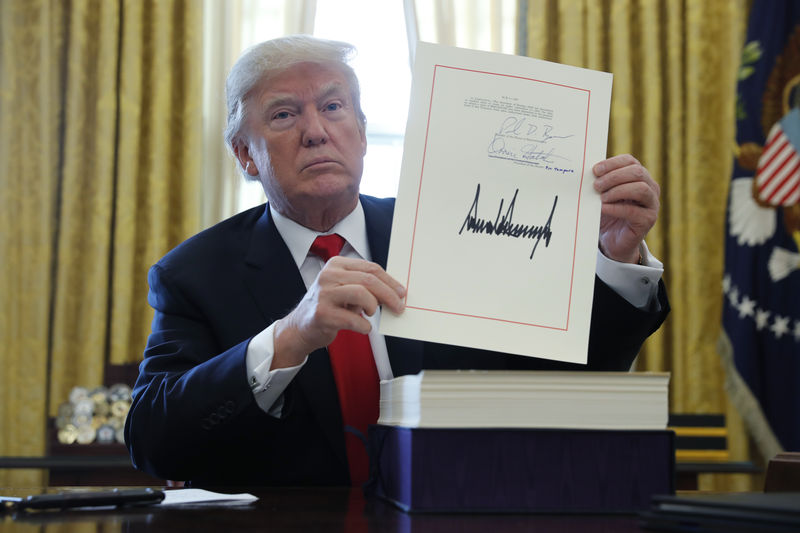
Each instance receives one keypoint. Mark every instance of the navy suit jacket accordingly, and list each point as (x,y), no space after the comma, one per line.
(193,415)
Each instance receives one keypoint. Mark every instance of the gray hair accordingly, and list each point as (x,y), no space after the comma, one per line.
(270,57)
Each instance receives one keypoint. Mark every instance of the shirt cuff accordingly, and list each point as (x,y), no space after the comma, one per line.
(267,385)
(637,284)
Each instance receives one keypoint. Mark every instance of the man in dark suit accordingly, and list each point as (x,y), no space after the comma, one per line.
(237,386)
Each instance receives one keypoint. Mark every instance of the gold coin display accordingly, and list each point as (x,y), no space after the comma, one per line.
(106,434)
(102,409)
(84,407)
(117,422)
(94,415)
(68,434)
(99,397)
(66,409)
(79,420)
(86,435)
(98,421)
(77,394)
(120,391)
(120,408)
(62,421)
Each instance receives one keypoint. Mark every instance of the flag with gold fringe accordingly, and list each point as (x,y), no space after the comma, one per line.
(760,344)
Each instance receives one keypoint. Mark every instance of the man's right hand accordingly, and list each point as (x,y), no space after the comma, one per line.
(344,291)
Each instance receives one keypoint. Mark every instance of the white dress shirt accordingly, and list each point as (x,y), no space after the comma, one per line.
(638,284)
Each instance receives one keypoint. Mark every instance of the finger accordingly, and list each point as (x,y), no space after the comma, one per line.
(349,318)
(360,265)
(635,192)
(613,163)
(341,307)
(640,218)
(626,174)
(379,293)
(353,297)
(385,289)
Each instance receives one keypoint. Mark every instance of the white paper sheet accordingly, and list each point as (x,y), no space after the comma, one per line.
(496,224)
(205,497)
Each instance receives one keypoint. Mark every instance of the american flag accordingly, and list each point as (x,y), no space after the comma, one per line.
(778,173)
(760,344)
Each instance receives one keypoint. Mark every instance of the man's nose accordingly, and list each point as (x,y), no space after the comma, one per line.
(314,131)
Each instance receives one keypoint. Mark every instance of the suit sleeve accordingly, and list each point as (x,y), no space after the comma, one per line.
(618,330)
(187,392)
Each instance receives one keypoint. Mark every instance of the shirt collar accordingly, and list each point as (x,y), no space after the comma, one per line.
(299,238)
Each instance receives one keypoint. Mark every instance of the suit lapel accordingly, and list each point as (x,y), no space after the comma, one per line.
(272,276)
(378,219)
(270,272)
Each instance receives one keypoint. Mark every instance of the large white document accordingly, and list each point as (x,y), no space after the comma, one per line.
(496,224)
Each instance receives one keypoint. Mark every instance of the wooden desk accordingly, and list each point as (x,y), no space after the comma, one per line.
(304,509)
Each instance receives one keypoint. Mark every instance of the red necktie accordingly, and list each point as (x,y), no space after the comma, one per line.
(356,377)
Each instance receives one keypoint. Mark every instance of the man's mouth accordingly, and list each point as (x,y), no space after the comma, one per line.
(318,161)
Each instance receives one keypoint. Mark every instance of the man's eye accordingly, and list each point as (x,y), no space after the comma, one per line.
(281,115)
(333,106)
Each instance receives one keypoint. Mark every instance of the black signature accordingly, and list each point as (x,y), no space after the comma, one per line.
(521,127)
(520,140)
(503,225)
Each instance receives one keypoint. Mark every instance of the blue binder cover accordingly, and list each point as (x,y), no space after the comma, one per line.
(520,470)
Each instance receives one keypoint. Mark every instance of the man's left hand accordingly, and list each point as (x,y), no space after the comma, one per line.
(629,197)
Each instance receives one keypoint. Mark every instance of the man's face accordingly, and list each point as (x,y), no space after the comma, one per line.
(302,137)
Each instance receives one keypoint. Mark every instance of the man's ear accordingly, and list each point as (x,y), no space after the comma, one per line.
(242,152)
(363,142)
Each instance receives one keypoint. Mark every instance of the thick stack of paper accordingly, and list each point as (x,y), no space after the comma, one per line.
(526,399)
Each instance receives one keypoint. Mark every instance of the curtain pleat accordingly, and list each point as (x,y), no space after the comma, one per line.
(100,125)
(674,66)
(80,313)
(33,33)
(159,166)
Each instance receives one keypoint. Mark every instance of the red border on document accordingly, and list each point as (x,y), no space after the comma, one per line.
(577,218)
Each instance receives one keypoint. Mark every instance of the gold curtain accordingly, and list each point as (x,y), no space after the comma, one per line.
(674,66)
(99,177)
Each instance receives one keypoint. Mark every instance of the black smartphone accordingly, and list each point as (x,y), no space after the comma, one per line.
(101,498)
